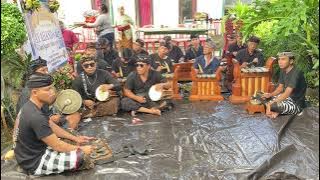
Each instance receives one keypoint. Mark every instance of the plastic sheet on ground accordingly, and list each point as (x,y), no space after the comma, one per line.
(202,140)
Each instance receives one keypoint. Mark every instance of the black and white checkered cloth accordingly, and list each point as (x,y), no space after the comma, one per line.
(289,106)
(53,162)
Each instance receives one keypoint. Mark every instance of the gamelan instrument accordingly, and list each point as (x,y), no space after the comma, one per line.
(155,95)
(104,95)
(182,72)
(68,101)
(206,86)
(250,80)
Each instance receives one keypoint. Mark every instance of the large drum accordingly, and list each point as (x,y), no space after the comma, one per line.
(155,95)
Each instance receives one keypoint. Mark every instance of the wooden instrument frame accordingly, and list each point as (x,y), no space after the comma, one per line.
(211,93)
(182,72)
(242,95)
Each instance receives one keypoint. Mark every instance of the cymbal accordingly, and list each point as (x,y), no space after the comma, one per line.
(68,101)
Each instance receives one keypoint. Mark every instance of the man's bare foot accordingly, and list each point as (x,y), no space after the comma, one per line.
(274,115)
(133,114)
(156,111)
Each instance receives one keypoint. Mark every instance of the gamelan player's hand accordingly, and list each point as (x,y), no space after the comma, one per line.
(244,64)
(87,149)
(255,60)
(106,87)
(55,118)
(88,103)
(83,139)
(159,87)
(266,95)
(141,99)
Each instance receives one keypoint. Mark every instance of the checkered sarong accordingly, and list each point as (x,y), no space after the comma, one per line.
(53,162)
(288,106)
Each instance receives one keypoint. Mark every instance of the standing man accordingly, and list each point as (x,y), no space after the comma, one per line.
(87,83)
(124,26)
(250,54)
(175,53)
(207,63)
(160,61)
(38,149)
(137,87)
(289,97)
(195,50)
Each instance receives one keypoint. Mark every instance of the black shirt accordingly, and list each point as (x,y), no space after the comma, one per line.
(142,51)
(166,63)
(108,57)
(244,56)
(137,86)
(234,47)
(33,126)
(193,53)
(175,54)
(294,79)
(126,67)
(93,82)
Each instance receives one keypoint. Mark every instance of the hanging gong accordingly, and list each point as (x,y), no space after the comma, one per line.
(68,101)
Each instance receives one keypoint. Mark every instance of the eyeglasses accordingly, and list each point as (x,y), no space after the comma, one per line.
(89,65)
(140,65)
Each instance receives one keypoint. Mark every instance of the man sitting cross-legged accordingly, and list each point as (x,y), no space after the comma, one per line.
(289,97)
(137,87)
(38,149)
(88,82)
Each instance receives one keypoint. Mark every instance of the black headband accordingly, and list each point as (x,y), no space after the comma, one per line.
(36,64)
(39,80)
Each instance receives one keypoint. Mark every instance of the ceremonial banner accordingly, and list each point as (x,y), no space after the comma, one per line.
(45,36)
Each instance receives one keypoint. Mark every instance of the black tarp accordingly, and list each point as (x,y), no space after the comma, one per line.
(202,140)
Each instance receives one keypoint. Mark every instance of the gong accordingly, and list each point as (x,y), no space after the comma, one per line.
(68,101)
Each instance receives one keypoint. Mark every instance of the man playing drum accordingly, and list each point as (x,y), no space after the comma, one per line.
(138,85)
(88,82)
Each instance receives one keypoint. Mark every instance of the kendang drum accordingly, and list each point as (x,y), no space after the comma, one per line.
(250,80)
(206,86)
(155,95)
(104,95)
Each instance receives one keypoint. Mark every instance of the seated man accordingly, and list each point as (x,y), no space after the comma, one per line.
(39,66)
(289,96)
(160,61)
(175,53)
(137,47)
(137,87)
(207,63)
(38,150)
(106,52)
(125,64)
(94,51)
(87,83)
(250,54)
(195,49)
(236,46)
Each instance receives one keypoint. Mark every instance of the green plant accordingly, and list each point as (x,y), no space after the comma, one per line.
(13,32)
(63,78)
(14,69)
(282,27)
(77,57)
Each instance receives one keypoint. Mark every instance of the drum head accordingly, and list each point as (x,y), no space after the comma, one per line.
(154,95)
(102,95)
(68,101)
